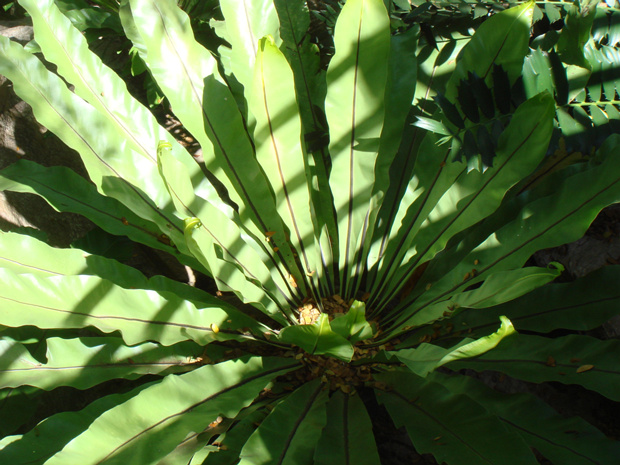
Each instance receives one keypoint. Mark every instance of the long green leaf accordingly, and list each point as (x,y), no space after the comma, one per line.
(474,195)
(67,191)
(128,432)
(303,56)
(356,81)
(85,362)
(572,359)
(548,221)
(347,437)
(134,126)
(195,447)
(140,315)
(435,65)
(501,40)
(432,176)
(233,440)
(53,433)
(17,407)
(304,60)
(399,93)
(188,75)
(66,47)
(72,119)
(277,137)
(561,440)
(581,305)
(453,428)
(25,255)
(498,288)
(248,279)
(289,434)
(246,23)
(217,241)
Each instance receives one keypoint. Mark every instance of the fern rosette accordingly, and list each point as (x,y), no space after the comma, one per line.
(367,259)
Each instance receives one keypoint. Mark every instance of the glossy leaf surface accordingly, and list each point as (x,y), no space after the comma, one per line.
(453,428)
(346,438)
(318,338)
(226,388)
(570,359)
(560,439)
(85,362)
(289,434)
(356,81)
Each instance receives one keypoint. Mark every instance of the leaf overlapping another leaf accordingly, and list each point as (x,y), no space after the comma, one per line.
(190,79)
(140,315)
(86,362)
(225,389)
(451,427)
(544,222)
(317,197)
(356,80)
(558,438)
(570,359)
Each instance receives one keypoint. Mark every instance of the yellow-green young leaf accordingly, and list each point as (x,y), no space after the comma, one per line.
(482,345)
(318,339)
(353,325)
(425,358)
